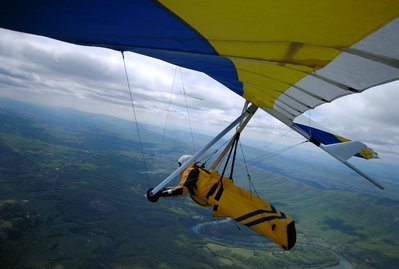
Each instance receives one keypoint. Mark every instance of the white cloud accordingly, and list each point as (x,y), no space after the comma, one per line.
(370,117)
(93,79)
(41,70)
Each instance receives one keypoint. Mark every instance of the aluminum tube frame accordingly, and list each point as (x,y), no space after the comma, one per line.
(199,153)
(251,111)
(357,170)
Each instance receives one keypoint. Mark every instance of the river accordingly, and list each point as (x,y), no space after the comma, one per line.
(343,263)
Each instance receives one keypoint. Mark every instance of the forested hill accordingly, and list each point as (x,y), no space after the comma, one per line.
(72,196)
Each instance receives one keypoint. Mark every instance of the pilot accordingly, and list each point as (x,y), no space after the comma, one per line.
(208,188)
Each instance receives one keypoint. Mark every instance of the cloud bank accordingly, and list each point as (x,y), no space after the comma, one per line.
(40,70)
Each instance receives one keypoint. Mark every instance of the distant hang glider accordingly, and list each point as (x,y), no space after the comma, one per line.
(283,56)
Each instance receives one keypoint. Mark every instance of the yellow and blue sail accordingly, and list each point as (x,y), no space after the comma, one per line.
(284,56)
(327,138)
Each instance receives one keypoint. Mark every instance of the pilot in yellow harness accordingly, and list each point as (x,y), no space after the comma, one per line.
(207,188)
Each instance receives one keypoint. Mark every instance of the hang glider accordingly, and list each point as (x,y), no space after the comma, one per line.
(285,57)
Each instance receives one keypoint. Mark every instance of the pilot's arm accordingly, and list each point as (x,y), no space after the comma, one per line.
(174,191)
(184,186)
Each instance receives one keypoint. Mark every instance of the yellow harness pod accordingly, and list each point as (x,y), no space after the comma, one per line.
(229,200)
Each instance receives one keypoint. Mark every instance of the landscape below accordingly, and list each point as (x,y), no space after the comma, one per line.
(72,196)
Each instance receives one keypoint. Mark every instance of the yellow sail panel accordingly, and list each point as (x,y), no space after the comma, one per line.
(260,96)
(368,153)
(305,33)
(264,81)
(287,73)
(365,153)
(336,24)
(280,52)
(265,88)
(270,74)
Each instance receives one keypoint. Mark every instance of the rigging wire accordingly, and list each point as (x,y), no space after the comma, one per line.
(310,122)
(167,115)
(135,116)
(261,157)
(274,153)
(188,113)
(278,138)
(210,155)
(310,110)
(250,183)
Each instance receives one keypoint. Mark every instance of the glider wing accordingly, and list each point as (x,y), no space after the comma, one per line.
(284,56)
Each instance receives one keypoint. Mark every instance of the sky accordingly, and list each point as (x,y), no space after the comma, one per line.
(40,70)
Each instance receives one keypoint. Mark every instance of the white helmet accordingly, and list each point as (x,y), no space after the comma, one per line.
(184,159)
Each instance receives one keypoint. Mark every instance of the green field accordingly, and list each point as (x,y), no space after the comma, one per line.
(72,196)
